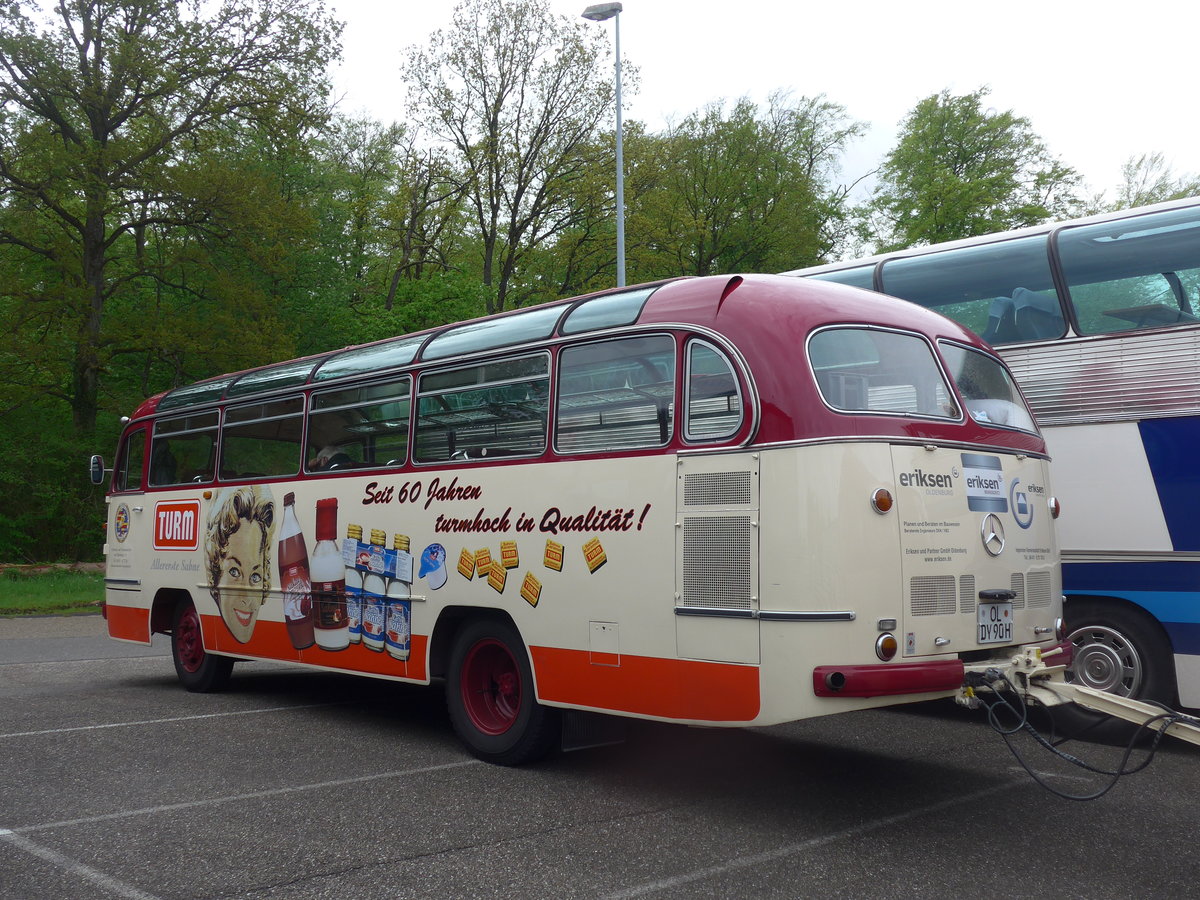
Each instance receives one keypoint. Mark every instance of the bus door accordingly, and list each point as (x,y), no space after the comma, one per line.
(716,558)
(978,549)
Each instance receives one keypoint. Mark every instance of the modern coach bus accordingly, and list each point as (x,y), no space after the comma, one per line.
(1099,320)
(720,501)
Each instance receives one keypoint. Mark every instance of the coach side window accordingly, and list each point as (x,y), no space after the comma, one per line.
(494,409)
(616,395)
(1141,272)
(714,403)
(359,427)
(260,440)
(183,449)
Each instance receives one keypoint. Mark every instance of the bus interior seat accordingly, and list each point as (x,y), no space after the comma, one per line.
(1001,324)
(1036,317)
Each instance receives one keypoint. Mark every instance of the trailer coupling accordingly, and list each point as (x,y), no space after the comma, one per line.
(1039,675)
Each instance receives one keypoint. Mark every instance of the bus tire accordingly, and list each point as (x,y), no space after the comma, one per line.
(1118,650)
(198,670)
(490,696)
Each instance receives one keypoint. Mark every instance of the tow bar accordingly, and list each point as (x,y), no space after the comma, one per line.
(1037,677)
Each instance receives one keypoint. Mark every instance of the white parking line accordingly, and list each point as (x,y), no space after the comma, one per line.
(234,798)
(240,712)
(745,862)
(87,873)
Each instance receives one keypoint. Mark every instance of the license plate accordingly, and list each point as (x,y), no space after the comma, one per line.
(995,623)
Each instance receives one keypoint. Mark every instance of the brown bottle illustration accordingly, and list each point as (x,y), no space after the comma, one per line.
(294,578)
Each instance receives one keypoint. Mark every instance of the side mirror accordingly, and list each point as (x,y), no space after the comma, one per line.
(96,469)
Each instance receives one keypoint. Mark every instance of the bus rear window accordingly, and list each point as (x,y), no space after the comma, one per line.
(876,371)
(990,394)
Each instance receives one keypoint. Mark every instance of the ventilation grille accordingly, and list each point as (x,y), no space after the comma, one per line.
(1018,588)
(933,595)
(717,489)
(1038,590)
(717,554)
(967,597)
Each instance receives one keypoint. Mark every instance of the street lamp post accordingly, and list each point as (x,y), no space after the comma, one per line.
(601,12)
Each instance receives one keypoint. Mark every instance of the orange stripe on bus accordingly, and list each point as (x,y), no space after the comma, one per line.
(667,688)
(129,623)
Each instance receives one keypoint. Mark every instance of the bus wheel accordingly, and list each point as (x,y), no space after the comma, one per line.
(489,694)
(198,670)
(1117,651)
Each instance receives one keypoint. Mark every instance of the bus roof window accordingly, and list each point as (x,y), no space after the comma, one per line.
(204,392)
(372,358)
(287,375)
(489,334)
(609,311)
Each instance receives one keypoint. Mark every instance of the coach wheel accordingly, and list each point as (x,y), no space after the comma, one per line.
(198,670)
(1118,651)
(489,694)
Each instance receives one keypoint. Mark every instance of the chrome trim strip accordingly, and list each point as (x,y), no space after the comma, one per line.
(716,612)
(115,582)
(1128,556)
(846,615)
(769,615)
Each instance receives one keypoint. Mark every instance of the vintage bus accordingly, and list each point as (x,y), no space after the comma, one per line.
(721,501)
(1099,320)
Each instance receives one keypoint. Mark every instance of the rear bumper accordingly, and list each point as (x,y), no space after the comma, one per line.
(929,676)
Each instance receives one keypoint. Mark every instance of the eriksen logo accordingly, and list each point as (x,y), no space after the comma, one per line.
(1022,508)
(921,478)
(177,525)
(985,483)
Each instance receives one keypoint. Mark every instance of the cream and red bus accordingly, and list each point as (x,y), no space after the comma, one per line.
(722,501)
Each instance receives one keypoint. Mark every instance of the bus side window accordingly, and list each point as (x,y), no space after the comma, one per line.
(1133,273)
(494,409)
(262,439)
(714,402)
(128,476)
(616,395)
(182,450)
(359,427)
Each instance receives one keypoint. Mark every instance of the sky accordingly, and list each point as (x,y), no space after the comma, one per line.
(1098,82)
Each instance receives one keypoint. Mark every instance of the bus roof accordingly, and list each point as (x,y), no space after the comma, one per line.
(1045,228)
(773,314)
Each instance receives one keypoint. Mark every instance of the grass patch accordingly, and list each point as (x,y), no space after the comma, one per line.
(44,592)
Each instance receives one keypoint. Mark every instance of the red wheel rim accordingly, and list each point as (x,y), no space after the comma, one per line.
(491,687)
(189,643)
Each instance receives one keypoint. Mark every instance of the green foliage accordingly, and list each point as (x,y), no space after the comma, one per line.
(178,200)
(751,190)
(960,170)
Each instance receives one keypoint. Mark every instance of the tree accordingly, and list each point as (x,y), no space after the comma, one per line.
(107,107)
(748,190)
(517,93)
(959,170)
(1148,179)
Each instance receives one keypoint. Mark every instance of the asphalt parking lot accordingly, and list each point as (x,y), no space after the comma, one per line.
(302,784)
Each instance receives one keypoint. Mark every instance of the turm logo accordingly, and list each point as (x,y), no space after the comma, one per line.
(176,525)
